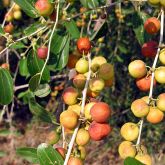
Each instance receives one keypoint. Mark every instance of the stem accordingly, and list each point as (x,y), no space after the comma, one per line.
(51,36)
(81,113)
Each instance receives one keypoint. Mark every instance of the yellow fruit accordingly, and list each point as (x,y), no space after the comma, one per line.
(96,84)
(76,108)
(161,102)
(162,56)
(160,74)
(82,66)
(87,110)
(144,158)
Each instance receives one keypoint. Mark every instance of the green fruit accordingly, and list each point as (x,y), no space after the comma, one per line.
(162,2)
(82,66)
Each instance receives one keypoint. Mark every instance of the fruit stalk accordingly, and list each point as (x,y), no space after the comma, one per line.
(81,112)
(153,71)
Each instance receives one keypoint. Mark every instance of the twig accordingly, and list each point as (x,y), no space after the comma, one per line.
(81,113)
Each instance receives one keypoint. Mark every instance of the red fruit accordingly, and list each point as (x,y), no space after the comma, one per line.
(9,28)
(44,7)
(149,49)
(53,16)
(100,112)
(62,151)
(98,131)
(152,25)
(83,45)
(75,161)
(144,83)
(42,52)
(5,66)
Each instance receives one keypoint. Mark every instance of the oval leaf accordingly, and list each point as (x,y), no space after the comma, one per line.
(23,69)
(34,82)
(132,161)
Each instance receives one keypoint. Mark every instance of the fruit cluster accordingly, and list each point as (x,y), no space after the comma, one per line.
(14,14)
(91,118)
(145,107)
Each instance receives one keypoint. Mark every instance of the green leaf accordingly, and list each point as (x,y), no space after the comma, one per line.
(6,132)
(6,87)
(48,155)
(1,30)
(132,161)
(2,154)
(27,7)
(26,96)
(90,3)
(39,111)
(30,154)
(43,90)
(17,45)
(72,29)
(34,82)
(23,69)
(35,66)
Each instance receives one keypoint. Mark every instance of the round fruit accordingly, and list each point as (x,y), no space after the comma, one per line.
(96,84)
(5,66)
(126,149)
(140,108)
(129,131)
(9,28)
(149,49)
(9,17)
(144,158)
(70,95)
(82,66)
(161,102)
(74,161)
(160,75)
(100,112)
(52,138)
(16,7)
(62,151)
(6,3)
(17,15)
(162,2)
(144,83)
(137,69)
(97,62)
(109,83)
(155,115)
(152,25)
(44,7)
(92,94)
(87,110)
(154,2)
(69,119)
(83,45)
(72,60)
(82,137)
(42,52)
(76,108)
(162,56)
(106,71)
(146,99)
(79,81)
(98,131)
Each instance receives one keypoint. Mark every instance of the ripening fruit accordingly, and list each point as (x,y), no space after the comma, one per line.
(83,152)
(9,17)
(100,112)
(162,56)
(62,151)
(83,45)
(106,71)
(144,83)
(87,110)
(16,7)
(9,28)
(92,94)
(96,84)
(5,66)
(98,131)
(152,25)
(155,115)
(146,99)
(69,119)
(6,3)
(154,2)
(160,75)
(82,66)
(140,108)
(126,149)
(82,137)
(44,7)
(144,158)
(129,131)
(161,102)
(162,2)
(52,138)
(72,60)
(149,49)
(42,52)
(109,83)
(70,95)
(75,161)
(76,108)
(97,62)
(17,15)
(79,81)
(137,69)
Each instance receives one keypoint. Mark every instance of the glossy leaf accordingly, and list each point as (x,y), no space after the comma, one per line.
(89,3)
(30,154)
(132,161)
(23,69)
(34,82)
(6,87)
(17,45)
(48,155)
(43,90)
(27,7)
